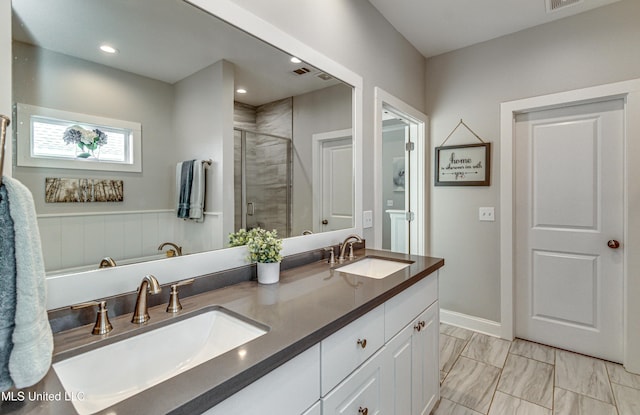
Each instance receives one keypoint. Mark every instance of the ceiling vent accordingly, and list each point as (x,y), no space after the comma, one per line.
(324,76)
(555,5)
(301,71)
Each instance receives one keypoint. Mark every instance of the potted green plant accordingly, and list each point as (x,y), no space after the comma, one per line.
(264,249)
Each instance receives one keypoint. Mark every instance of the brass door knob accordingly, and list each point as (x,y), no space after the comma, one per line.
(325,222)
(362,343)
(613,244)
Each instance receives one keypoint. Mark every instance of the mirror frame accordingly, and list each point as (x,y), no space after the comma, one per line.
(66,289)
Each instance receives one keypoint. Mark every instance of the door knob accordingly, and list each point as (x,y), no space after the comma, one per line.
(613,244)
(325,222)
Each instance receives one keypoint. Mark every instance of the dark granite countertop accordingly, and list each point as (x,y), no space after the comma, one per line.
(308,304)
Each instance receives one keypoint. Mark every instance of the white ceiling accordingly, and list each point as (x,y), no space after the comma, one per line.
(166,40)
(439,26)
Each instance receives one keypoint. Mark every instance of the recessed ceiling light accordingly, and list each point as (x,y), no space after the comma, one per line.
(241,91)
(108,49)
(295,60)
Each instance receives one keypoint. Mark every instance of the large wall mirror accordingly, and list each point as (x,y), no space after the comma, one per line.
(194,88)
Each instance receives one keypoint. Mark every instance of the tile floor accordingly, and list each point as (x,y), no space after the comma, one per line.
(484,375)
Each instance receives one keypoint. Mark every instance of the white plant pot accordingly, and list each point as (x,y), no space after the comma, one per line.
(268,272)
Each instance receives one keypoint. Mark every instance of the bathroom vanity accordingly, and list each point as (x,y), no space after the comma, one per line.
(325,342)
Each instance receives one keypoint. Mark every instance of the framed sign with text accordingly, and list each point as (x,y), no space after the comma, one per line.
(463,165)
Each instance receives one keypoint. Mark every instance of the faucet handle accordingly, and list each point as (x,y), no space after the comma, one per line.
(102,326)
(174,302)
(332,255)
(351,256)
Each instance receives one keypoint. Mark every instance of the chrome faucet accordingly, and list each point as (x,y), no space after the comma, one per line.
(151,285)
(178,249)
(107,262)
(346,242)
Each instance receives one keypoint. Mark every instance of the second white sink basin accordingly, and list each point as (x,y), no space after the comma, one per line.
(112,373)
(374,267)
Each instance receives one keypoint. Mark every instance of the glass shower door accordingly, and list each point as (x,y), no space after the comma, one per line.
(263,187)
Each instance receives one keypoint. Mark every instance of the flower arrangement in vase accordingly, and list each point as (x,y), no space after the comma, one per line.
(264,249)
(87,140)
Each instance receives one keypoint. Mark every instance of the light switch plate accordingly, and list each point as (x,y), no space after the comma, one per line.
(390,203)
(486,214)
(367,219)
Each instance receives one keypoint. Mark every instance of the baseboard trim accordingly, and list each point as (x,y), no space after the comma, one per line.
(465,321)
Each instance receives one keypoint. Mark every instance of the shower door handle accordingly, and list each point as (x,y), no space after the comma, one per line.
(250,209)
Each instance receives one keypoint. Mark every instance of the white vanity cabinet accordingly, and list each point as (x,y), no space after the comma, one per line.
(425,375)
(403,377)
(287,390)
(414,366)
(316,409)
(395,372)
(349,347)
(363,392)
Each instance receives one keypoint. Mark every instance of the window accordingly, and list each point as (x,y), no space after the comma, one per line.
(93,143)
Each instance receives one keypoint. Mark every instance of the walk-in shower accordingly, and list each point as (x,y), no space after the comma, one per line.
(262,181)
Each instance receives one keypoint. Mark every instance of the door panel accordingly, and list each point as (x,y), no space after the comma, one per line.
(559,279)
(566,150)
(569,203)
(337,188)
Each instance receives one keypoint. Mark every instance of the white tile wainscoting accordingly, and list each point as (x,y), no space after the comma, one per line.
(124,236)
(481,374)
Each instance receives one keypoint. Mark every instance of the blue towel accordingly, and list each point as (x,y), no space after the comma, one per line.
(7,289)
(196,202)
(30,357)
(184,172)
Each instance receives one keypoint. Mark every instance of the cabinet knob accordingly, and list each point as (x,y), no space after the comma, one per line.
(363,411)
(419,325)
(362,343)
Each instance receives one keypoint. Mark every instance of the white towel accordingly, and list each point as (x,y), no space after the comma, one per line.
(30,357)
(196,202)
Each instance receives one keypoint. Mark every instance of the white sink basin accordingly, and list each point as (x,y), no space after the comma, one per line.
(114,372)
(373,267)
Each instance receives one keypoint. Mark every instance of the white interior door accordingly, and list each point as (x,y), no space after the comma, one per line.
(569,205)
(337,185)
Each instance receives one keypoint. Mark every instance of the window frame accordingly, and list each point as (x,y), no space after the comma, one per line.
(24,158)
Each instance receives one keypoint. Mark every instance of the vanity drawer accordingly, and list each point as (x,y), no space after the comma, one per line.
(404,307)
(287,390)
(346,349)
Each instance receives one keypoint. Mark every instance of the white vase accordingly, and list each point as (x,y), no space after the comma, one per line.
(268,272)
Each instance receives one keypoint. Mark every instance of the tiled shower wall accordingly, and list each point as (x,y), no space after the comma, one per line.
(268,164)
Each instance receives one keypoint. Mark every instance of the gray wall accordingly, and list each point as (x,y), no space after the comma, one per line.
(198,98)
(321,111)
(361,40)
(596,47)
(58,81)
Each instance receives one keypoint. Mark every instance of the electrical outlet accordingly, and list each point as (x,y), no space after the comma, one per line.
(367,219)
(486,214)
